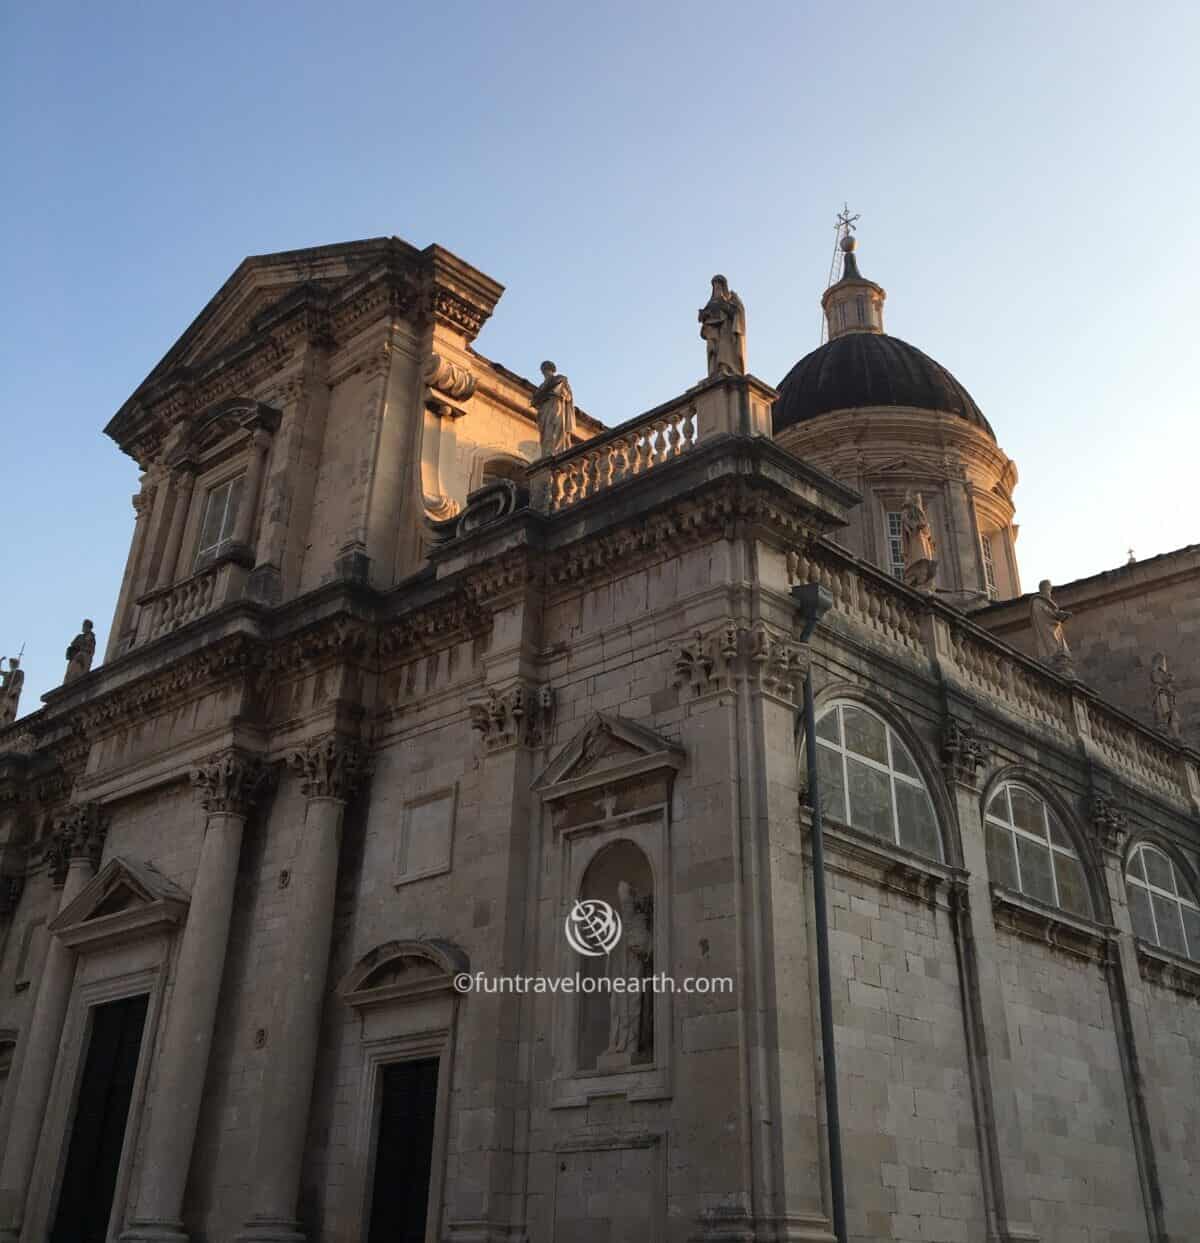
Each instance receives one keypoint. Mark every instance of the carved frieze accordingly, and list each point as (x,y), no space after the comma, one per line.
(448,383)
(518,715)
(331,766)
(230,782)
(964,753)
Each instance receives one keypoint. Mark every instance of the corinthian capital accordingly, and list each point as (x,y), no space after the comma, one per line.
(330,767)
(78,836)
(230,782)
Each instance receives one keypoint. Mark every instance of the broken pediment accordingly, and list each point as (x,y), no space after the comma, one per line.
(125,900)
(607,752)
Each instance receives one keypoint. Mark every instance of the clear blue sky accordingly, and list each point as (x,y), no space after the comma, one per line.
(1026,173)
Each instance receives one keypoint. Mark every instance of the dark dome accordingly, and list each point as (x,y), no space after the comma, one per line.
(870,369)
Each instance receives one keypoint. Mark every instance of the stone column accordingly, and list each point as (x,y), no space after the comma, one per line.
(228,785)
(243,531)
(141,507)
(989,1049)
(182,482)
(330,769)
(78,841)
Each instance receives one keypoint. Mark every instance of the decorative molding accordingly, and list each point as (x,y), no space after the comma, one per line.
(884,864)
(1082,938)
(775,664)
(964,753)
(330,767)
(230,782)
(402,971)
(78,837)
(518,715)
(453,382)
(1168,970)
(606,752)
(126,900)
(1110,822)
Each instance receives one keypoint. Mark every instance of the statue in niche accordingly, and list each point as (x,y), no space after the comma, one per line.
(12,680)
(631,1014)
(1046,620)
(1162,680)
(723,329)
(555,405)
(920,561)
(80,652)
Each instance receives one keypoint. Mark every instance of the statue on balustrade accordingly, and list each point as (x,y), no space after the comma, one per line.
(555,405)
(723,329)
(1050,640)
(11,681)
(920,561)
(80,653)
(1162,680)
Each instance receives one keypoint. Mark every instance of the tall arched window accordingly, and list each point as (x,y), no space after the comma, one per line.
(1028,850)
(870,780)
(1162,904)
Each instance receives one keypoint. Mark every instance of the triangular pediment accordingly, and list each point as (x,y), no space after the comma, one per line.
(608,749)
(124,899)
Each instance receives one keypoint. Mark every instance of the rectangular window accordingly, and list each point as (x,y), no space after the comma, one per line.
(220,515)
(989,566)
(895,526)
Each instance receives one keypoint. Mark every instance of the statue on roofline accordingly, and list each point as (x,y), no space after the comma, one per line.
(920,562)
(1162,681)
(12,680)
(1050,640)
(723,328)
(555,406)
(80,652)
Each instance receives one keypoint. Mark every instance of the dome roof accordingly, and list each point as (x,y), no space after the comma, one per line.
(870,369)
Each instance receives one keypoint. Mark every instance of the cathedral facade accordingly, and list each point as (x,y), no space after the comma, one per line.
(416,667)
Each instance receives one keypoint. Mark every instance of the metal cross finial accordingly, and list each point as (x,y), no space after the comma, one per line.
(845,221)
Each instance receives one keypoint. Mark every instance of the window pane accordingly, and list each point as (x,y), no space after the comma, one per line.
(832,787)
(864,734)
(1135,865)
(1001,865)
(1035,870)
(231,509)
(998,807)
(1158,870)
(1170,929)
(870,799)
(1191,925)
(1027,811)
(1139,913)
(827,726)
(918,826)
(902,762)
(214,513)
(1072,889)
(1058,834)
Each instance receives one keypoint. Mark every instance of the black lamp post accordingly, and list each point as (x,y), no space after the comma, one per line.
(814,602)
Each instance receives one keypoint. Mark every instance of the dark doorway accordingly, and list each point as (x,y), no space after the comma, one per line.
(90,1178)
(404,1152)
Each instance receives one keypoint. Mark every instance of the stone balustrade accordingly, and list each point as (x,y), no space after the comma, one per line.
(169,608)
(720,406)
(918,627)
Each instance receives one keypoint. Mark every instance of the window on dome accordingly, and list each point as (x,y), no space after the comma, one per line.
(860,307)
(1162,906)
(1028,850)
(870,781)
(895,531)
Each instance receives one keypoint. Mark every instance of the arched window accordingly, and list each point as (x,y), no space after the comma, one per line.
(870,781)
(497,468)
(1161,902)
(1028,850)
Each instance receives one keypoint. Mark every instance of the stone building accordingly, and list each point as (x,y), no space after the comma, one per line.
(388,693)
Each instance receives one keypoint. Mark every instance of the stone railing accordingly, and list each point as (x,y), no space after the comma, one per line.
(898,617)
(171,607)
(727,404)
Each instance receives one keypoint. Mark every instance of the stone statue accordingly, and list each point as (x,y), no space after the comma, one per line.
(1166,714)
(723,328)
(80,653)
(11,681)
(920,562)
(1046,619)
(630,1025)
(555,405)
